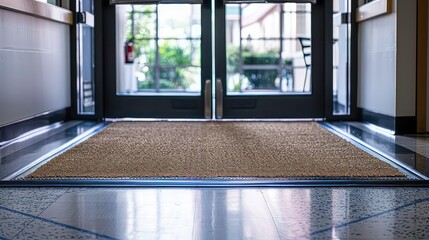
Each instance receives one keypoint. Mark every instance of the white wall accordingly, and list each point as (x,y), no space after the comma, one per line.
(377,64)
(34,66)
(387,61)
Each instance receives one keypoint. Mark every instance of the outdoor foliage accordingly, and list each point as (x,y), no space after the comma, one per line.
(173,59)
(261,79)
(172,69)
(258,79)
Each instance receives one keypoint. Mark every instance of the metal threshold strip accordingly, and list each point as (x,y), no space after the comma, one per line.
(16,179)
(210,183)
(213,120)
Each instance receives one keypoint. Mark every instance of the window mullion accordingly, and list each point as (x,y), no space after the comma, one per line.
(157,60)
(281,44)
(240,56)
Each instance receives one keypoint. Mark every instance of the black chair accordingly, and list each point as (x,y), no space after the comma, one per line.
(306,52)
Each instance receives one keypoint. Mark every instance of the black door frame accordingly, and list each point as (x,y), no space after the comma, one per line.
(105,68)
(276,106)
(153,106)
(98,64)
(353,114)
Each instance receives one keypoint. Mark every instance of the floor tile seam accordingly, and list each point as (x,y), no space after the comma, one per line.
(31,221)
(271,213)
(48,206)
(371,216)
(57,223)
(52,202)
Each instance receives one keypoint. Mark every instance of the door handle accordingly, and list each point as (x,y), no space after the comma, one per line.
(208,99)
(219,98)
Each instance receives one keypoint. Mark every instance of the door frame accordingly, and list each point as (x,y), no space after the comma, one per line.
(98,64)
(353,114)
(152,106)
(276,106)
(103,68)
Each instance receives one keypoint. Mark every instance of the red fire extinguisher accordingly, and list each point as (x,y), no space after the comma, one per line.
(129,51)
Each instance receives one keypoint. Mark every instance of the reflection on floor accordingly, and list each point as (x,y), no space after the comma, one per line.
(233,213)
(219,213)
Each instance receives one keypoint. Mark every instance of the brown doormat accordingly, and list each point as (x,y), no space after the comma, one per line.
(215,149)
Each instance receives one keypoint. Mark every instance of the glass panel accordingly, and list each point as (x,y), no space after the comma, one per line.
(144,69)
(85,57)
(173,52)
(143,8)
(185,25)
(87,88)
(260,20)
(341,58)
(264,55)
(167,49)
(143,26)
(87,6)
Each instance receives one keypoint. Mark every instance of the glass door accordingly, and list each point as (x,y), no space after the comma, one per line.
(270,59)
(85,57)
(159,59)
(341,57)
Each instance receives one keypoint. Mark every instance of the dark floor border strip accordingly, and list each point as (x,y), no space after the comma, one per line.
(103,183)
(400,125)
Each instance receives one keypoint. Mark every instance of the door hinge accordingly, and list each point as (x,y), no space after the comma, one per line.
(86,18)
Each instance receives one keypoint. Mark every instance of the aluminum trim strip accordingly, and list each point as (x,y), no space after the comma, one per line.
(213,120)
(212,183)
(39,9)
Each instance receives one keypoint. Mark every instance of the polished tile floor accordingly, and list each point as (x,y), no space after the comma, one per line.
(341,212)
(214,213)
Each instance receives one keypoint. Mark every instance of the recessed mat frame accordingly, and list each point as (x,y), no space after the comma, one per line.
(211,183)
(215,150)
(241,181)
(397,163)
